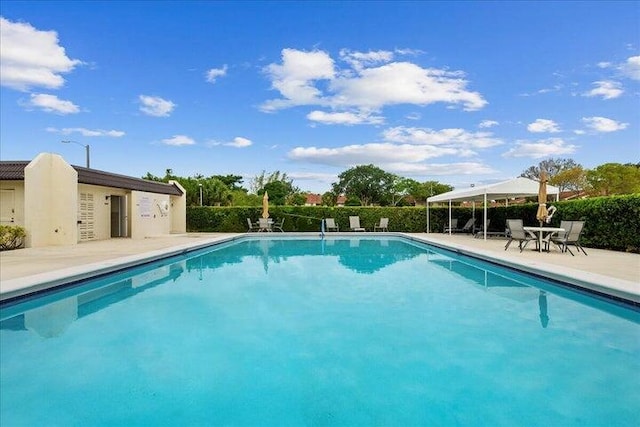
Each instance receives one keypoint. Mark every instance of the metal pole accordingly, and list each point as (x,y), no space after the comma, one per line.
(86,148)
(200,185)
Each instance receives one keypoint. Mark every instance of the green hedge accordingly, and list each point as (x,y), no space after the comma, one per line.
(611,222)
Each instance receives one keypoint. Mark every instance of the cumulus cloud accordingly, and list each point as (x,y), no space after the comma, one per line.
(344,118)
(603,124)
(406,151)
(369,83)
(214,73)
(488,124)
(52,104)
(549,147)
(631,68)
(543,125)
(239,142)
(156,106)
(87,132)
(31,58)
(178,140)
(458,138)
(607,89)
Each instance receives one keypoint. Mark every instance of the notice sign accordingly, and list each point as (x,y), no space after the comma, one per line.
(144,207)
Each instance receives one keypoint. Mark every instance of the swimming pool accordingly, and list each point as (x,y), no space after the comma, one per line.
(358,331)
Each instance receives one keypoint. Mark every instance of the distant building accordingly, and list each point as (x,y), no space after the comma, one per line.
(313,200)
(59,204)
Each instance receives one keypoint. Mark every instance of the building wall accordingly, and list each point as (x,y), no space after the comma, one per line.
(12,203)
(150,214)
(56,210)
(50,202)
(101,196)
(178,210)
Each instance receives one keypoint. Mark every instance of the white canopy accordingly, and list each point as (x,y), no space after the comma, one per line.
(518,187)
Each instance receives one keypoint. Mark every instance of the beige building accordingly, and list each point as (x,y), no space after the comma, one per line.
(59,204)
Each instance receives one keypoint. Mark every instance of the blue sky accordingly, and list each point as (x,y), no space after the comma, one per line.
(458,92)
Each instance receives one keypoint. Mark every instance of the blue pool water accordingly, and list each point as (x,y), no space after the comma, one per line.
(354,332)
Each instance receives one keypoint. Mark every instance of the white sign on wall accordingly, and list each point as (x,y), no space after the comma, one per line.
(144,207)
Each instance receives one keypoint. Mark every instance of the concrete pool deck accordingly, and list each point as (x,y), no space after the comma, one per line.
(32,269)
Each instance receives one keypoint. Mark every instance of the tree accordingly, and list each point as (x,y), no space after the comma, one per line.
(329,198)
(614,178)
(551,166)
(216,193)
(368,183)
(278,192)
(402,187)
(231,181)
(424,190)
(573,179)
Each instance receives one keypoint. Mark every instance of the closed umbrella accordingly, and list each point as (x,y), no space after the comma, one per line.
(542,198)
(265,205)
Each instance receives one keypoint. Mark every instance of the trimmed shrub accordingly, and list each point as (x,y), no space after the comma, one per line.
(611,222)
(11,237)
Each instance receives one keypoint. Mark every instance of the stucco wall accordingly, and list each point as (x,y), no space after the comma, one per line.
(50,202)
(150,214)
(178,210)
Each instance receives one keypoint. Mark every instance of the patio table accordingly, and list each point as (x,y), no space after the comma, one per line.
(543,232)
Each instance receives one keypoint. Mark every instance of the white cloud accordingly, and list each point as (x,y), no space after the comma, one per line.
(403,83)
(543,125)
(178,140)
(344,118)
(603,124)
(607,89)
(311,78)
(295,77)
(31,58)
(377,153)
(52,104)
(539,149)
(156,106)
(87,132)
(631,68)
(239,142)
(214,73)
(446,137)
(488,124)
(360,60)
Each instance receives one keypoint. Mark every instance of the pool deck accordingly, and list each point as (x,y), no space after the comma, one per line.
(27,270)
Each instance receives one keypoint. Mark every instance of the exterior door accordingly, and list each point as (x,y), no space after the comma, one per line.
(118,216)
(7,206)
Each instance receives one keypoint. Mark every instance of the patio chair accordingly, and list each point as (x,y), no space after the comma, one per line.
(278,225)
(559,235)
(354,224)
(452,226)
(252,226)
(383,225)
(264,224)
(330,224)
(517,232)
(571,237)
(467,228)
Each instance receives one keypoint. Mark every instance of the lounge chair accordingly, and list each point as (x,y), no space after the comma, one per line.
(264,224)
(467,228)
(252,226)
(452,226)
(354,224)
(330,224)
(383,225)
(517,232)
(571,237)
(278,225)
